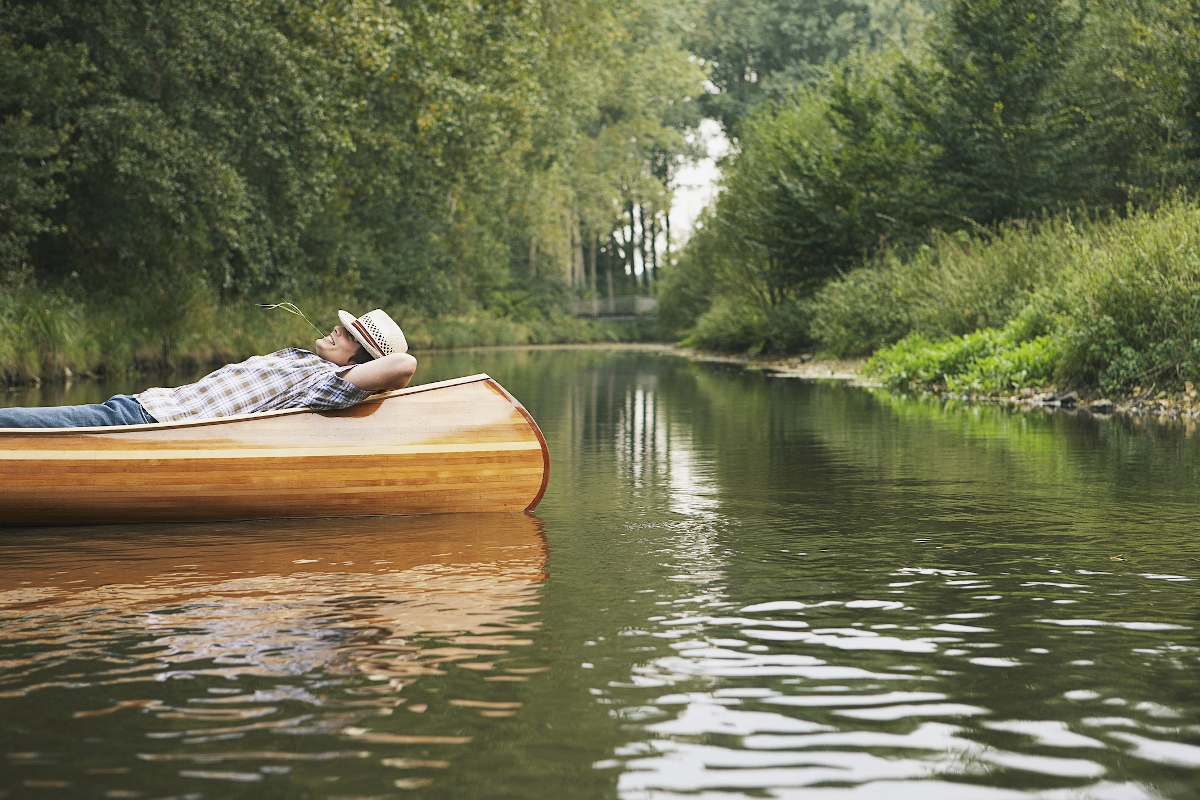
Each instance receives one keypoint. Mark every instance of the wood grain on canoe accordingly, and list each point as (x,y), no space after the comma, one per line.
(462,445)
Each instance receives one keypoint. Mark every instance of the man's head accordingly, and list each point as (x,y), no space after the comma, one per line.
(361,339)
(375,331)
(341,348)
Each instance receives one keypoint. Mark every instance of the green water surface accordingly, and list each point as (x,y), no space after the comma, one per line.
(737,586)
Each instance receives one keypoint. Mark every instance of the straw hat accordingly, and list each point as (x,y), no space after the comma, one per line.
(375,331)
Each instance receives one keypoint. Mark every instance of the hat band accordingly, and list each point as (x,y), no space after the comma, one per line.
(358,326)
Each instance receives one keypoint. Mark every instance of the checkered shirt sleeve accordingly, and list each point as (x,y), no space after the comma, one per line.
(290,378)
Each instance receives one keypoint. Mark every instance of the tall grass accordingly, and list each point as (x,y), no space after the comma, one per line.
(1108,305)
(42,333)
(486,330)
(956,284)
(1127,312)
(47,335)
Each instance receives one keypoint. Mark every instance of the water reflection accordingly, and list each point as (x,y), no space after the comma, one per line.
(758,588)
(654,450)
(825,703)
(197,635)
(880,697)
(835,651)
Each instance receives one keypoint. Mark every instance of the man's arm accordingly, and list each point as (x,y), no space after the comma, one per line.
(389,372)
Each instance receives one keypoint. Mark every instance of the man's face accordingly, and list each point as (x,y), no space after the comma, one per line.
(338,347)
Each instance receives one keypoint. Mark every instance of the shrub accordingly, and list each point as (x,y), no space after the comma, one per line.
(954,285)
(787,326)
(861,312)
(1012,365)
(917,363)
(729,325)
(1130,315)
(988,361)
(739,325)
(1118,307)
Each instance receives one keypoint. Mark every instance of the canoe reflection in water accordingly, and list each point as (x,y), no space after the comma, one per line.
(312,626)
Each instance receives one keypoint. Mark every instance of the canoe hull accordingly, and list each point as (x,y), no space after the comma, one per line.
(458,446)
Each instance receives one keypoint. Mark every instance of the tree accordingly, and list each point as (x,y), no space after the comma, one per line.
(1007,132)
(760,50)
(820,183)
(1139,70)
(41,83)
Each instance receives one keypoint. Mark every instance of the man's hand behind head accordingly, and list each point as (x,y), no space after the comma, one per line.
(389,372)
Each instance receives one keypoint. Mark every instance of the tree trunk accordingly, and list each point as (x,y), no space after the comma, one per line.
(667,239)
(630,263)
(595,244)
(577,277)
(642,246)
(611,261)
(653,246)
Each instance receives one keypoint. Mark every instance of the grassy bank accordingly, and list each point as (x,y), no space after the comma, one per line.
(46,335)
(1107,306)
(1101,305)
(1104,307)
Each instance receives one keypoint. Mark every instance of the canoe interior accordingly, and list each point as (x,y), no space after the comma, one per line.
(457,446)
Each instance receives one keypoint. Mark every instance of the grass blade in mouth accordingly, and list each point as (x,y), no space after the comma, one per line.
(291,309)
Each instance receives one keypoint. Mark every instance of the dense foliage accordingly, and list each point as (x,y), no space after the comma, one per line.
(918,184)
(168,161)
(1110,305)
(914,171)
(760,50)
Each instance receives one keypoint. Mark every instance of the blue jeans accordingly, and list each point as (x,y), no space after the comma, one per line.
(119,410)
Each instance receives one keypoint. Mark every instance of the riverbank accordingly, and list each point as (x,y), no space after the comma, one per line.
(1183,405)
(1167,405)
(1105,305)
(804,367)
(49,338)
(853,371)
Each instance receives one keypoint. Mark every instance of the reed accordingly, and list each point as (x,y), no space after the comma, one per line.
(952,286)
(45,335)
(1110,306)
(41,333)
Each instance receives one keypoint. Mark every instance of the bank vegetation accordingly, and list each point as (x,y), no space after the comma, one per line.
(984,196)
(169,165)
(999,195)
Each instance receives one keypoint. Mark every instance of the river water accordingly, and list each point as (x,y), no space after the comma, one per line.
(737,586)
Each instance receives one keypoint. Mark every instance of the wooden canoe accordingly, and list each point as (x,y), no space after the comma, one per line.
(455,446)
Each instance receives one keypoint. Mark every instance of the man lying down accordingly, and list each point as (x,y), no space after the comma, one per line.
(361,356)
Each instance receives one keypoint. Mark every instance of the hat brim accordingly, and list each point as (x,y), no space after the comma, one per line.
(354,327)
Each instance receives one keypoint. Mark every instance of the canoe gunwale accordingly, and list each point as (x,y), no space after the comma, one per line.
(282,412)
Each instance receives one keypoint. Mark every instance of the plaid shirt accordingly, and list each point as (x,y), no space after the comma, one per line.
(290,378)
